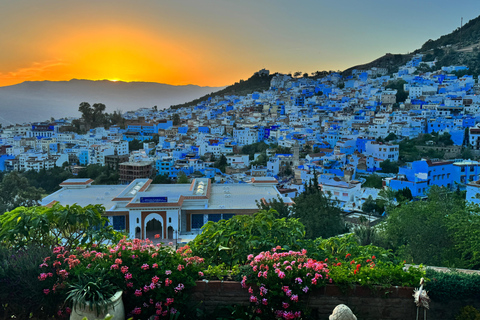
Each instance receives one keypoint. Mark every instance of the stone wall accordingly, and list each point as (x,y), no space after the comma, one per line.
(394,303)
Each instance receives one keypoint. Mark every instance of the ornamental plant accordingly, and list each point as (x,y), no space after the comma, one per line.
(153,278)
(279,281)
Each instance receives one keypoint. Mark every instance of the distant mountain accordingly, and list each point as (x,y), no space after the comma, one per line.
(40,100)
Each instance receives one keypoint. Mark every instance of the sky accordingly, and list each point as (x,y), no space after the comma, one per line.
(210,42)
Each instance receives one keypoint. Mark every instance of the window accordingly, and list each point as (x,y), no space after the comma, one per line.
(197,221)
(336,193)
(169,220)
(345,194)
(138,220)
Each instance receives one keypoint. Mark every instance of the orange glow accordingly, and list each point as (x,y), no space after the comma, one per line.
(126,54)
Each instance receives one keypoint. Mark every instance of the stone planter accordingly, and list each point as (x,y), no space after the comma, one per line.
(117,310)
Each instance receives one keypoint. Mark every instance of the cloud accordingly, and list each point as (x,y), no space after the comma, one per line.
(36,71)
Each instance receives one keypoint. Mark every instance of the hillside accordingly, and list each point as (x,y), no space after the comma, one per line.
(461,37)
(389,61)
(254,83)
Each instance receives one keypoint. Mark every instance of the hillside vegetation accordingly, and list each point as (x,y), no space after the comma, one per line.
(241,88)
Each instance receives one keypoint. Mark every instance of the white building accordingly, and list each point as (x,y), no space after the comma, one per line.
(381,150)
(172,211)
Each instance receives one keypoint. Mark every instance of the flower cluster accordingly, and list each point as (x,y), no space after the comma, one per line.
(282,279)
(152,277)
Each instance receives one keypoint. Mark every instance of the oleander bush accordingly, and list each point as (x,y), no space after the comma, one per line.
(153,278)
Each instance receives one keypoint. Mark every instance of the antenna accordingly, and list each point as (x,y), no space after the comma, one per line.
(461,27)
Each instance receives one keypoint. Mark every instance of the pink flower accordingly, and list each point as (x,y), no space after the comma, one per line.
(145,266)
(281,275)
(285,305)
(250,290)
(46,291)
(157,236)
(294,298)
(128,276)
(155,279)
(253,299)
(42,276)
(124,269)
(155,265)
(305,289)
(169,301)
(130,284)
(114,266)
(250,257)
(138,292)
(137,310)
(180,267)
(118,261)
(168,282)
(168,272)
(298,280)
(264,301)
(200,273)
(146,288)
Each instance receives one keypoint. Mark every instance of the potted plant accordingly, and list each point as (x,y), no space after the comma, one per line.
(95,296)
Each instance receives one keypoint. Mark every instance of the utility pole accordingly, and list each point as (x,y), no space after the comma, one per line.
(461,27)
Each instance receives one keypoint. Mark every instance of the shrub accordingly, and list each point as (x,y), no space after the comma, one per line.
(68,226)
(280,280)
(153,278)
(21,294)
(231,241)
(442,286)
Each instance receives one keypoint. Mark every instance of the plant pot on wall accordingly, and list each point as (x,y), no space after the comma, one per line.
(115,309)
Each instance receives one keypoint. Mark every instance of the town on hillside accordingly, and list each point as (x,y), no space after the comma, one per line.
(357,135)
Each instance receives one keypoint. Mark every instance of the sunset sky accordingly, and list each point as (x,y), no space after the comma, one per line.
(210,42)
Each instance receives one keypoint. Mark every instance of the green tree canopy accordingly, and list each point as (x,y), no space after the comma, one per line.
(319,213)
(428,231)
(231,241)
(16,191)
(68,226)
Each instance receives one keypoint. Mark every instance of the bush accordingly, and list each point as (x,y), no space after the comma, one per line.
(442,286)
(231,241)
(68,226)
(21,293)
(280,279)
(153,278)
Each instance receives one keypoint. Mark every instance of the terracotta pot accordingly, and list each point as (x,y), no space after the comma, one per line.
(117,310)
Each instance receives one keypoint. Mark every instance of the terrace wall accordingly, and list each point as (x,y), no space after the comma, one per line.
(394,303)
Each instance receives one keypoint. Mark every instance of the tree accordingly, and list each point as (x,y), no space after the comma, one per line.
(176,119)
(404,194)
(16,191)
(297,74)
(369,206)
(389,166)
(221,163)
(391,136)
(161,179)
(275,204)
(420,230)
(87,112)
(182,178)
(401,95)
(373,181)
(135,144)
(318,212)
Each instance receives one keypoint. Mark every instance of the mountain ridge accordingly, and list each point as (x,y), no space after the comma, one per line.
(32,101)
